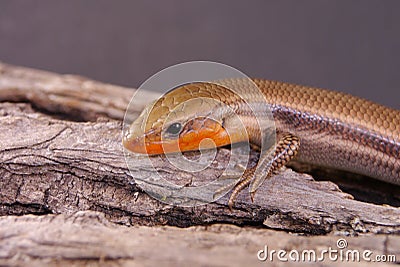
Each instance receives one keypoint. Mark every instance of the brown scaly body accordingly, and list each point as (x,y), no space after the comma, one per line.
(338,130)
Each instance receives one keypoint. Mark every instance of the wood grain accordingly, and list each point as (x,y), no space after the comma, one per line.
(61,153)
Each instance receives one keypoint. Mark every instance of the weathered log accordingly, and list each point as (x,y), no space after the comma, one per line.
(87,238)
(76,98)
(61,153)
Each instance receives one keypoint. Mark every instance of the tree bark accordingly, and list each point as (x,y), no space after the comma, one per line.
(87,238)
(61,153)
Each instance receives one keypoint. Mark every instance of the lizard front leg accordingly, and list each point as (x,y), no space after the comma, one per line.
(268,165)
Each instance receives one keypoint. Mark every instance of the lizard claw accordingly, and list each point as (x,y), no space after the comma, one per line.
(230,204)
(252,195)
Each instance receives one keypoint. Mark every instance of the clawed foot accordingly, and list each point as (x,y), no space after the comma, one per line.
(237,179)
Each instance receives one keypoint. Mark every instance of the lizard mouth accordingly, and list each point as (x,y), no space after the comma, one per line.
(142,146)
(205,135)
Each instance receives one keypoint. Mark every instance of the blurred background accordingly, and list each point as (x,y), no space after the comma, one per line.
(350,46)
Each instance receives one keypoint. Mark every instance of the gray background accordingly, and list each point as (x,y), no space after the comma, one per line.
(351,46)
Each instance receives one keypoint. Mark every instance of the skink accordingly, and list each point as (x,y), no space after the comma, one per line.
(313,125)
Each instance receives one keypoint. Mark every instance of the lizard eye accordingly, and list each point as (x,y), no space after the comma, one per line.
(174,128)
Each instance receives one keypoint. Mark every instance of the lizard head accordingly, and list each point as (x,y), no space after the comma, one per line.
(190,117)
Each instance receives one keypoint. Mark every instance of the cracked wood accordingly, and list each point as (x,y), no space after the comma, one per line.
(56,162)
